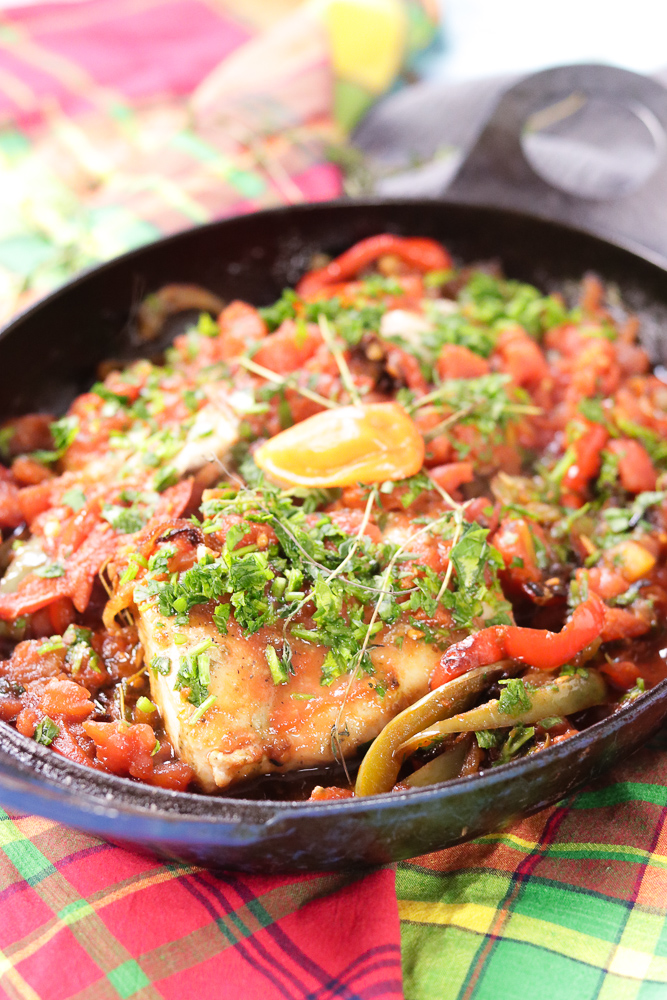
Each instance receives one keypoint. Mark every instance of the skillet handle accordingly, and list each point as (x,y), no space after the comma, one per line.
(496,171)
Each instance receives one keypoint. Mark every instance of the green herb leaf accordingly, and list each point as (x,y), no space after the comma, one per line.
(63,432)
(75,498)
(46,732)
(518,737)
(50,570)
(514,698)
(161,665)
(488,738)
(124,520)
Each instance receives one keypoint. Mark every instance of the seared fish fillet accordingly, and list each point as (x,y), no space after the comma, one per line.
(256,726)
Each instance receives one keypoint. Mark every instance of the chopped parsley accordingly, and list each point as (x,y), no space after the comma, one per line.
(350,322)
(488,738)
(117,400)
(50,570)
(161,665)
(517,739)
(350,586)
(489,404)
(494,302)
(124,520)
(75,498)
(514,698)
(46,732)
(194,674)
(63,432)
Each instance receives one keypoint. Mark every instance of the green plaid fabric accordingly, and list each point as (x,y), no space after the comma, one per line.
(570,903)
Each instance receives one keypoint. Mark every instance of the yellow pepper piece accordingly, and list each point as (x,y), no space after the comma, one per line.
(343,446)
(631,559)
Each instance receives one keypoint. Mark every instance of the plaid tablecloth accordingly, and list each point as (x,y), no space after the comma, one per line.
(570,904)
(119,122)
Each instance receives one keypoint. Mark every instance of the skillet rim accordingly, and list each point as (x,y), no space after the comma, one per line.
(275,809)
(618,242)
(103,803)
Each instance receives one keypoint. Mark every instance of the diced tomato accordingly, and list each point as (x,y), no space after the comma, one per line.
(240,326)
(635,468)
(456,361)
(606,581)
(30,433)
(350,521)
(124,749)
(11,514)
(34,500)
(27,472)
(626,623)
(405,368)
(28,663)
(67,700)
(67,744)
(439,449)
(61,613)
(623,674)
(331,794)
(289,348)
(521,358)
(452,475)
(587,450)
(173,774)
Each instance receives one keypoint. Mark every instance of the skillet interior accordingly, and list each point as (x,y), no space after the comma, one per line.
(49,354)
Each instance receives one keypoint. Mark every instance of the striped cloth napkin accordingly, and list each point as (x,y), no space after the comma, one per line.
(121,120)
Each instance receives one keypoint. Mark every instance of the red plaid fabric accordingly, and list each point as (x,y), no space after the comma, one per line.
(82,919)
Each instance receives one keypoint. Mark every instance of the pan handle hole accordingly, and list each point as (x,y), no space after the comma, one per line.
(593,147)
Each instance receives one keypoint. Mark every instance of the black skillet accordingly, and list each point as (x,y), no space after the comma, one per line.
(49,354)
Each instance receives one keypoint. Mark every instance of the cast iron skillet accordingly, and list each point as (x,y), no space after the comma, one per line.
(49,354)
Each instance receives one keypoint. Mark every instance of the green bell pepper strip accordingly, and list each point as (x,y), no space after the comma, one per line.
(442,768)
(379,768)
(564,696)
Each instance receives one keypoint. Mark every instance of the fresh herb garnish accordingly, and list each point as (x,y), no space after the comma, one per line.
(50,570)
(124,520)
(75,498)
(63,432)
(517,739)
(46,732)
(514,698)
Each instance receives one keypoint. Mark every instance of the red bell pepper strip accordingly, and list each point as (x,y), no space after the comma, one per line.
(588,458)
(32,596)
(534,647)
(419,252)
